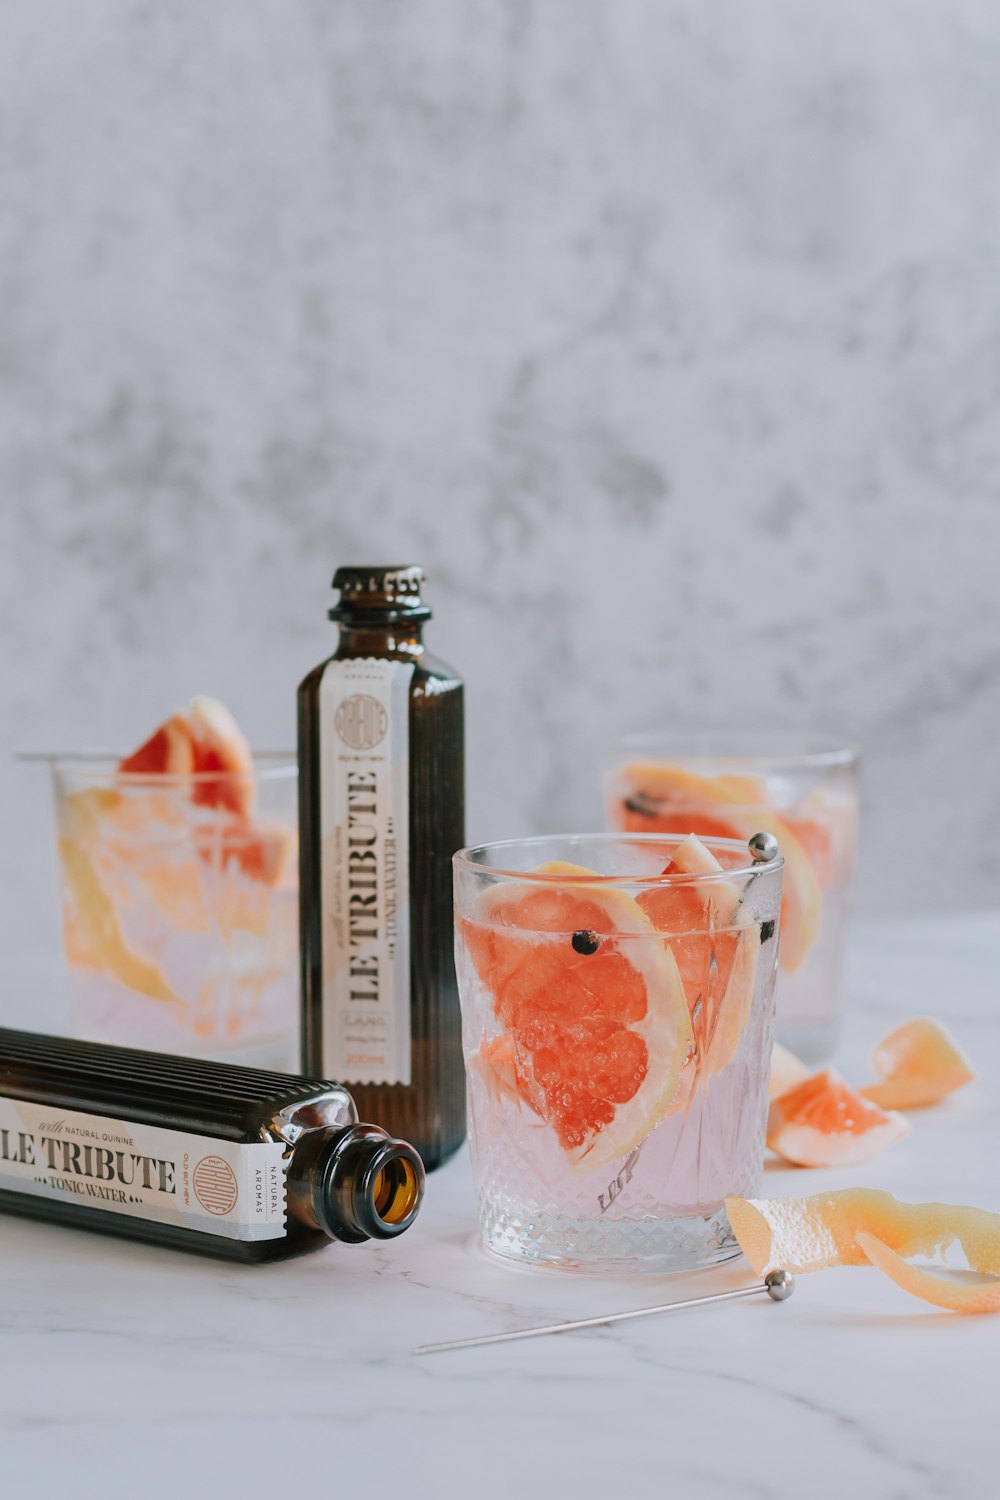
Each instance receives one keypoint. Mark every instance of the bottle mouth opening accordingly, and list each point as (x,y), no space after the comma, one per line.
(395,1193)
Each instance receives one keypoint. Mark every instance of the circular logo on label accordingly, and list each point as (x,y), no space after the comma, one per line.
(361,721)
(215,1185)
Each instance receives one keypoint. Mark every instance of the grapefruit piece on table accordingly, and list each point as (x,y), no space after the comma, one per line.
(657,797)
(594,1024)
(865,1226)
(966,1291)
(920,1063)
(822,1122)
(716,953)
(786,1071)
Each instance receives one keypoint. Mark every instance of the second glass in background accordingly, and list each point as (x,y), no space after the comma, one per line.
(729,784)
(180,913)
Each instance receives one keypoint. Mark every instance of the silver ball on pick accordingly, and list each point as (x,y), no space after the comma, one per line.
(763,847)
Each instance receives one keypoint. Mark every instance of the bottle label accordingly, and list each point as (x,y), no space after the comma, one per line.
(228,1188)
(364,800)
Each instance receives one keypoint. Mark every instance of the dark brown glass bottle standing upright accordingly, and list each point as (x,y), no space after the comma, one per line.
(381,811)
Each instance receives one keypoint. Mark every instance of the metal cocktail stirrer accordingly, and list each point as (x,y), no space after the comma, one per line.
(779,1285)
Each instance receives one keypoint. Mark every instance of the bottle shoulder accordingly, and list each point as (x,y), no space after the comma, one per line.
(432,668)
(428,670)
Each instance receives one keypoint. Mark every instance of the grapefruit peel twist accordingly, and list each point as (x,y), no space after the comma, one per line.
(866,1226)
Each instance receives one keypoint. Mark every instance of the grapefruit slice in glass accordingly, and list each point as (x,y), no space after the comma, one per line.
(716,954)
(169,751)
(656,797)
(101,943)
(594,1024)
(221,746)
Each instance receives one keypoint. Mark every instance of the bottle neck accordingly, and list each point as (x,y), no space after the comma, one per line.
(354,1183)
(402,638)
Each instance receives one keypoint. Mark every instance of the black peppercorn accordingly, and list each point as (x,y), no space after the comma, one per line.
(586,942)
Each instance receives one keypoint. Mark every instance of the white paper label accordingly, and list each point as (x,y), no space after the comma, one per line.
(230,1188)
(364,802)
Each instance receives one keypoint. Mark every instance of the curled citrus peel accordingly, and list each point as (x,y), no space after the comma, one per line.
(920,1063)
(865,1226)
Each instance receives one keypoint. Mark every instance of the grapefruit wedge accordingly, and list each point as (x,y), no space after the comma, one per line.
(716,953)
(822,1122)
(169,751)
(786,1071)
(594,1026)
(920,1063)
(865,1226)
(98,938)
(220,746)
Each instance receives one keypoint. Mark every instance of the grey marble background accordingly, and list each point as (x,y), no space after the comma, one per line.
(665,333)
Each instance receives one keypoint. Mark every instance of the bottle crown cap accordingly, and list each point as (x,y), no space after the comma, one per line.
(381,592)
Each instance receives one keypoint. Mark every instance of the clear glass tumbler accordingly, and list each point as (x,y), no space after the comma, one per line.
(616,1016)
(180,917)
(804,790)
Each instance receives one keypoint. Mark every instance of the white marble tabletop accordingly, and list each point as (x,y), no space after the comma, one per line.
(137,1372)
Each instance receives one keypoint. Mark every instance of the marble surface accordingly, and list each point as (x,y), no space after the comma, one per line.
(663,332)
(128,1370)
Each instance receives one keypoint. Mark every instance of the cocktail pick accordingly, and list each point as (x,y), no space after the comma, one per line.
(777,1284)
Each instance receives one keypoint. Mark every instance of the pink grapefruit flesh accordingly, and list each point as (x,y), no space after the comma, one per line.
(822,1122)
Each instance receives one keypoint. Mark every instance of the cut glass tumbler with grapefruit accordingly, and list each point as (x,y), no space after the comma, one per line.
(616,1008)
(179,892)
(726,785)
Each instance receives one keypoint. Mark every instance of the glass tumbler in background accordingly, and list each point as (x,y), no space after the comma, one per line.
(179,917)
(616,1015)
(804,790)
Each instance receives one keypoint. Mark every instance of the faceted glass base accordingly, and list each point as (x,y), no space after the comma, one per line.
(650,1247)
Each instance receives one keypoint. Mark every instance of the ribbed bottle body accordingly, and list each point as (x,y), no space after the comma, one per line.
(172,1150)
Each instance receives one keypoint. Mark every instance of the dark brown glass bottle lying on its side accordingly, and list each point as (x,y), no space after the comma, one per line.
(381,811)
(203,1156)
